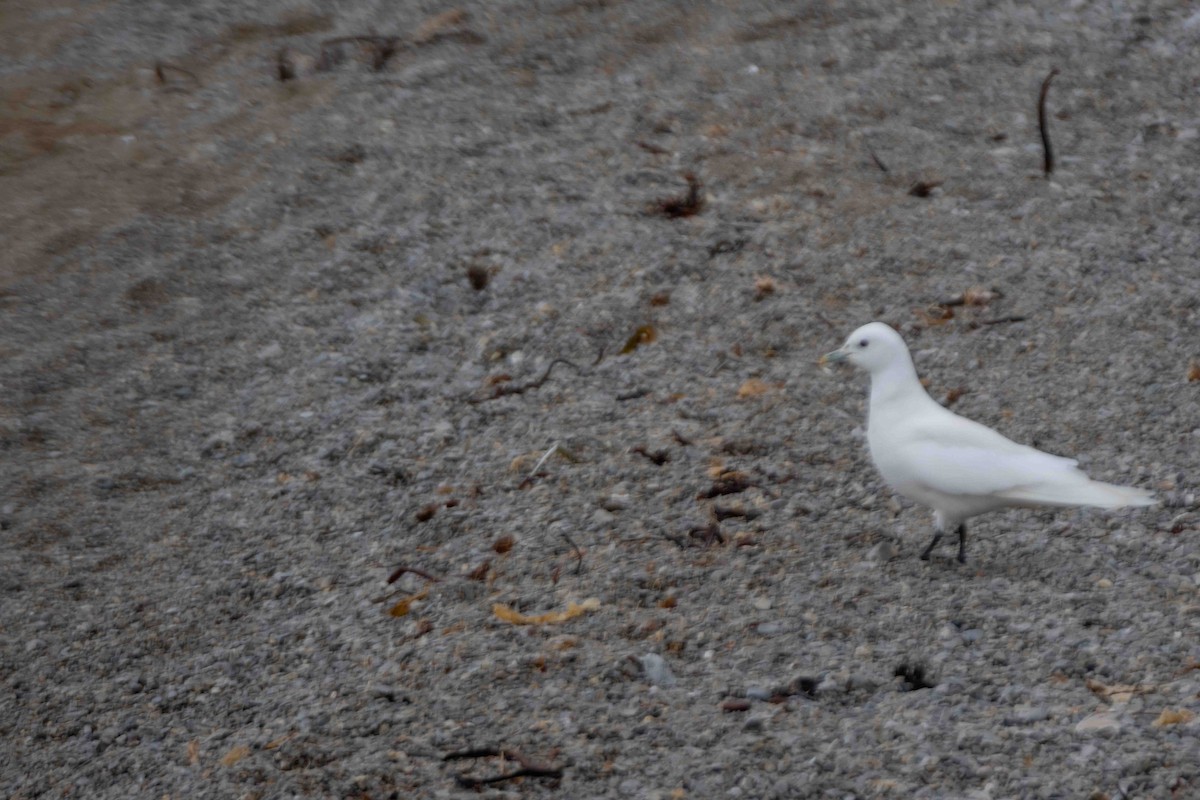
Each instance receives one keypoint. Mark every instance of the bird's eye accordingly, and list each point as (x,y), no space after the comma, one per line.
(863,343)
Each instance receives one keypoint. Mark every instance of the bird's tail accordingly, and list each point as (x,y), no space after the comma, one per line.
(1080,492)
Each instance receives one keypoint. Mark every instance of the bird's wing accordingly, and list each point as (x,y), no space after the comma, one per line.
(953,455)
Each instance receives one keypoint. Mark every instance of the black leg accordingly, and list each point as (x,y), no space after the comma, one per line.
(937,537)
(962,542)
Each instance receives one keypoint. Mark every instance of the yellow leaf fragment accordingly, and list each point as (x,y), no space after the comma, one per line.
(275,744)
(643,335)
(753,388)
(1171,716)
(508,614)
(1118,692)
(235,755)
(402,608)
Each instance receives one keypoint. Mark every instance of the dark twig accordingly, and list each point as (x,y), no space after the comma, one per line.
(1000,320)
(632,395)
(400,570)
(504,389)
(649,147)
(688,205)
(1047,153)
(284,69)
(382,49)
(728,512)
(161,68)
(729,483)
(871,151)
(658,457)
(529,768)
(575,547)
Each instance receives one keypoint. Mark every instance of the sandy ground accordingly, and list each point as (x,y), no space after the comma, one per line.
(282,313)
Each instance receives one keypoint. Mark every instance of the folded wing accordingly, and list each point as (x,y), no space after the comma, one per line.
(956,456)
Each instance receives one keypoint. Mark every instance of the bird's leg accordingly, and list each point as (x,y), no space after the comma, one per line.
(962,542)
(937,537)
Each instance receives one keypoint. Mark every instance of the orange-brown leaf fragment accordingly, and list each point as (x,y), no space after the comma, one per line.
(402,608)
(763,286)
(643,335)
(436,25)
(1194,372)
(979,296)
(753,388)
(953,395)
(508,614)
(1117,692)
(1172,716)
(235,755)
(193,752)
(935,315)
(504,544)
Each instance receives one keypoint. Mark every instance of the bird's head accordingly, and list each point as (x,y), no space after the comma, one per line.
(873,347)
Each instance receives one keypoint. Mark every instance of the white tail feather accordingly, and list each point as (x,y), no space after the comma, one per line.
(1082,492)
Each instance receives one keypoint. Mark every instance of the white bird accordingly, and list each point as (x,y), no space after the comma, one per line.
(954,466)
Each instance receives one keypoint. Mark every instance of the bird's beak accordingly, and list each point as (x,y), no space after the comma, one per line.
(836,357)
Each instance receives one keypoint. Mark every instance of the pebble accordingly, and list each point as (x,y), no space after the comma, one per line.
(615,502)
(773,628)
(755,724)
(1023,715)
(656,670)
(1102,723)
(884,551)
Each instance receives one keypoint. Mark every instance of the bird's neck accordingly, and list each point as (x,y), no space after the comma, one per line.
(896,386)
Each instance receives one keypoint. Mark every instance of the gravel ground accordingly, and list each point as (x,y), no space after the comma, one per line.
(265,342)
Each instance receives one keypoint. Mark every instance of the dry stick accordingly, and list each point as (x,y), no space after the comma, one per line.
(400,570)
(503,391)
(578,552)
(870,150)
(1047,153)
(542,460)
(687,205)
(529,768)
(1003,320)
(161,67)
(382,47)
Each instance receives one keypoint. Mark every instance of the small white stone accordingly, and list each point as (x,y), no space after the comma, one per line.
(1101,723)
